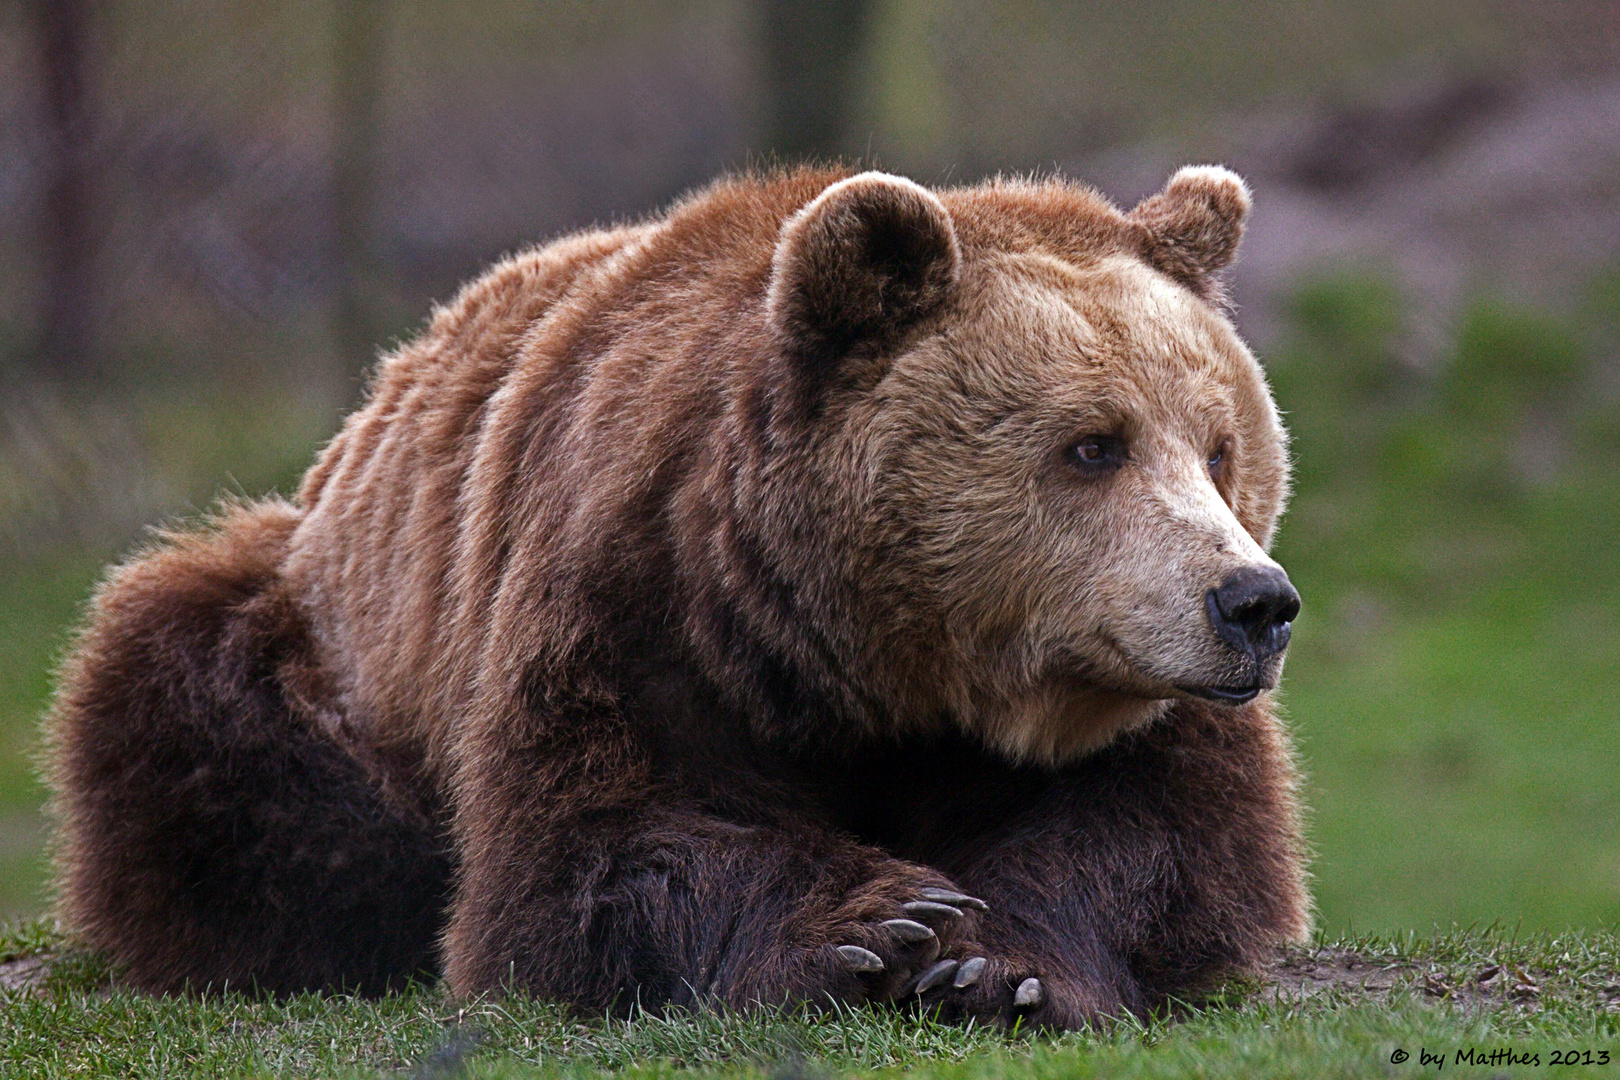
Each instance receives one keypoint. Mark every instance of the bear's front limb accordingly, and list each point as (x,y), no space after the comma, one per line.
(653,904)
(1145,872)
(609,900)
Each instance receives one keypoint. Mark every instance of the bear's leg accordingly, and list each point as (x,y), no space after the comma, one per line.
(584,883)
(209,834)
(1146,871)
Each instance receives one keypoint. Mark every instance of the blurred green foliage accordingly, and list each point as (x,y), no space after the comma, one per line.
(1453,534)
(183,448)
(39,602)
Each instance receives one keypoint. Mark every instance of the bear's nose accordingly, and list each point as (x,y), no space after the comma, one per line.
(1252,610)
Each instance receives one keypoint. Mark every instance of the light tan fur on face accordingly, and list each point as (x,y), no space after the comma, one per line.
(1066,610)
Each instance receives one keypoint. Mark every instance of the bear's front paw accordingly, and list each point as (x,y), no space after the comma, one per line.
(898,950)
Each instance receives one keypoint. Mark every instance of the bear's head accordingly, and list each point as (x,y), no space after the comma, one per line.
(1045,471)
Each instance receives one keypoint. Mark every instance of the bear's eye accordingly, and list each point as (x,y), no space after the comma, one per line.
(1099,453)
(1217,457)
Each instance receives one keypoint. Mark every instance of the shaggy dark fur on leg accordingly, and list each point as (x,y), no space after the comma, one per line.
(210,832)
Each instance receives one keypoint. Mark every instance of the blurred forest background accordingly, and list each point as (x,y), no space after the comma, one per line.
(213,213)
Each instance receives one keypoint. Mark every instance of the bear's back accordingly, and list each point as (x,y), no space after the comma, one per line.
(588,369)
(373,557)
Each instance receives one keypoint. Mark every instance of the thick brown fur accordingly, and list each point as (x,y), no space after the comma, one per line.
(696,594)
(210,830)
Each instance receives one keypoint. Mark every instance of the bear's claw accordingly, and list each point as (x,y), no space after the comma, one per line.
(935,975)
(1029,994)
(859,960)
(969,973)
(908,931)
(931,909)
(953,899)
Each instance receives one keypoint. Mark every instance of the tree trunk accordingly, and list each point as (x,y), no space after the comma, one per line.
(359,27)
(67,242)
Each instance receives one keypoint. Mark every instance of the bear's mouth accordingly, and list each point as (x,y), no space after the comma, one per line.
(1226,695)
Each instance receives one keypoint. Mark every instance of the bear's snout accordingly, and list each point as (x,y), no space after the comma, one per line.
(1252,612)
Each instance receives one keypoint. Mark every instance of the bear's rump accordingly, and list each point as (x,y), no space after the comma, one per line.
(210,833)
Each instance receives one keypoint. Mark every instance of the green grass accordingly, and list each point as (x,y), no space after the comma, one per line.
(79,1024)
(1463,767)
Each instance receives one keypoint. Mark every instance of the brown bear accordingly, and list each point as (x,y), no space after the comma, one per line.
(831,589)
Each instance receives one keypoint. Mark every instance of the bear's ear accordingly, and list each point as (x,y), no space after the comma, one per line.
(861,264)
(1191,229)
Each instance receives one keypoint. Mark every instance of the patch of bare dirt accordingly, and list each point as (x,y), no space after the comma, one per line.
(25,973)
(1304,974)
